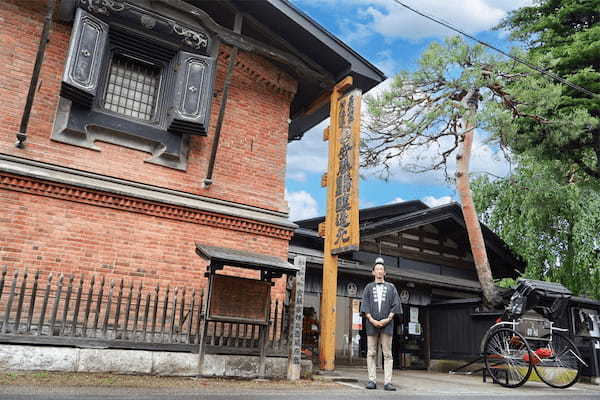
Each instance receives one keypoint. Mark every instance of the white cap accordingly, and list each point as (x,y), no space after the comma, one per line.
(379,260)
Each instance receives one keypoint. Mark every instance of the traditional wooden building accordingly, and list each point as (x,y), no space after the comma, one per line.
(427,256)
(143,127)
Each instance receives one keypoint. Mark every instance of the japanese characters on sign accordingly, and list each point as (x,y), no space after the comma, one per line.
(345,173)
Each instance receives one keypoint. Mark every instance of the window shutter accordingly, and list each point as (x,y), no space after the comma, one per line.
(86,51)
(193,94)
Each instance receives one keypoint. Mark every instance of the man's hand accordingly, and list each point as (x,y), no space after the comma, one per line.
(374,322)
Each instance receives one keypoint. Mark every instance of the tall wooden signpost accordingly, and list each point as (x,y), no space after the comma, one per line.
(340,229)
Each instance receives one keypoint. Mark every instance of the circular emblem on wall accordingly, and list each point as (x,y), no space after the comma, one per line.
(404,295)
(148,22)
(351,289)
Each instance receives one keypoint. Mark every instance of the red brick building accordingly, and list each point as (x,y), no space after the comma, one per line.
(112,175)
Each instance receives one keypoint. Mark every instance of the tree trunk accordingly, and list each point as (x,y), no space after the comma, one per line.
(490,293)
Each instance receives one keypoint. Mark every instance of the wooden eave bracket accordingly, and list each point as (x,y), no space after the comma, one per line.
(322,229)
(326,134)
(251,45)
(324,180)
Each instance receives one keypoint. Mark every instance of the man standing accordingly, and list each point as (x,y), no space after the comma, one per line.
(380,302)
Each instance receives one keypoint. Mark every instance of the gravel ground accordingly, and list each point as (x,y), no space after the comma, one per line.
(60,379)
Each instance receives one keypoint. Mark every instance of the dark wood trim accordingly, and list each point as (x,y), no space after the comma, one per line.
(87,343)
(215,145)
(245,351)
(268,32)
(415,255)
(33,85)
(318,103)
(429,246)
(248,44)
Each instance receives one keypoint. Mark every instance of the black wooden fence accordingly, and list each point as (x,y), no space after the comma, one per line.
(97,312)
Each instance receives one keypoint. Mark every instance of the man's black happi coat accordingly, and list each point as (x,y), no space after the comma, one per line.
(390,303)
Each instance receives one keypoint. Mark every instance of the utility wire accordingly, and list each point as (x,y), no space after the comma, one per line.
(517,59)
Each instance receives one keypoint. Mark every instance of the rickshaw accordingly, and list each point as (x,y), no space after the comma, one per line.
(525,339)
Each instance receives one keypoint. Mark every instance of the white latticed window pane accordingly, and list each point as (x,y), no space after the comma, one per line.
(132,88)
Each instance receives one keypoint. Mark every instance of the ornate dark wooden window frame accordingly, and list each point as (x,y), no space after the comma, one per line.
(186,56)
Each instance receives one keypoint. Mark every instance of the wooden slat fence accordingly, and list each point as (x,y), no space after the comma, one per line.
(98,312)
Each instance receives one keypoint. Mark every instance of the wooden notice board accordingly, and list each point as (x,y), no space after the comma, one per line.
(239,299)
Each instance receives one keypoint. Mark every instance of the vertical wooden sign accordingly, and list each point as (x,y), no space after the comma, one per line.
(345,186)
(296,314)
(340,228)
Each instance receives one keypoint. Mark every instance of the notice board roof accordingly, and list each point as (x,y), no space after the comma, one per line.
(244,259)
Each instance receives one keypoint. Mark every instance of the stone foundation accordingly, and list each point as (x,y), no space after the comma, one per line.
(65,359)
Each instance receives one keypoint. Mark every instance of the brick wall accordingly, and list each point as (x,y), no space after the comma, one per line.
(53,234)
(250,165)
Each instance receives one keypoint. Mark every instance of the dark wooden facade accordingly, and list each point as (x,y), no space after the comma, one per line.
(427,257)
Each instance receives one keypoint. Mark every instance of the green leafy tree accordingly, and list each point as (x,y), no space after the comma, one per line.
(433,112)
(564,37)
(546,216)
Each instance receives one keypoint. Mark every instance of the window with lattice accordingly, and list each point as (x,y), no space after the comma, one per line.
(132,88)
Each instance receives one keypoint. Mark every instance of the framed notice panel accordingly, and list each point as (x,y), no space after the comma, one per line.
(235,299)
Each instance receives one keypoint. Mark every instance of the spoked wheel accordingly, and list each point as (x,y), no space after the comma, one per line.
(506,356)
(556,362)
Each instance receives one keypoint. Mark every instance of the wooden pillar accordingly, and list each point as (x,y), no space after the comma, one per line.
(295,321)
(330,262)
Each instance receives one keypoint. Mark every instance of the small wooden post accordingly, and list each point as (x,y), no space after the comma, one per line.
(66,306)
(10,301)
(155,310)
(164,316)
(191,316)
(32,302)
(204,316)
(118,310)
(108,307)
(263,331)
(3,279)
(199,317)
(44,305)
(173,314)
(146,310)
(77,307)
(181,320)
(295,321)
(88,306)
(127,312)
(137,311)
(20,303)
(56,303)
(98,306)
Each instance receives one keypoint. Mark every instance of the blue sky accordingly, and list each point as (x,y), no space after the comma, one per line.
(392,38)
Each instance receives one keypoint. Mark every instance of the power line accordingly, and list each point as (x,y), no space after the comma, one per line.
(517,59)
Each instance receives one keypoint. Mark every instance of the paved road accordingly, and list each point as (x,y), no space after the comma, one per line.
(412,385)
(344,392)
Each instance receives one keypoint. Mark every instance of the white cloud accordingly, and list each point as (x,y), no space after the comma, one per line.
(302,205)
(391,20)
(366,204)
(387,62)
(397,200)
(308,155)
(298,176)
(436,201)
(470,15)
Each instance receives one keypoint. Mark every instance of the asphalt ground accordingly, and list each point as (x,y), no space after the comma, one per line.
(412,385)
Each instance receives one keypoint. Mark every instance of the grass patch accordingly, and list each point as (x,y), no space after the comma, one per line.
(145,381)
